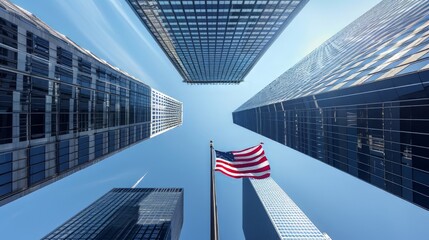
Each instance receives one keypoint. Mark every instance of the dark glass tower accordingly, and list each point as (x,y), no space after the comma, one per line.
(359,102)
(62,108)
(215,41)
(269,213)
(128,213)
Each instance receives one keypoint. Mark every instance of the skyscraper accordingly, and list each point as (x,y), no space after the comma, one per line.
(359,102)
(166,112)
(269,213)
(62,108)
(215,41)
(128,213)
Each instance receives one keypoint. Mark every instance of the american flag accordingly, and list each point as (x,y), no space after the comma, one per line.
(248,163)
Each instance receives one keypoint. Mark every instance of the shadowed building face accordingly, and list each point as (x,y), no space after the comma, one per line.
(215,41)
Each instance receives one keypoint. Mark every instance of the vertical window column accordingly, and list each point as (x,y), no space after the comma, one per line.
(8,59)
(39,91)
(83,149)
(62,92)
(5,173)
(63,155)
(36,169)
(7,87)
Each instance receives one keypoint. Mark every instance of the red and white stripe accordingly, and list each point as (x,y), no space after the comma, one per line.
(250,162)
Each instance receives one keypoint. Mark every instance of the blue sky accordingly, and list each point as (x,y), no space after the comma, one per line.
(339,204)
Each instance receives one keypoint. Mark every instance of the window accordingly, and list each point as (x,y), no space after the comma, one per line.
(63,155)
(37,164)
(99,145)
(38,99)
(83,149)
(5,173)
(64,57)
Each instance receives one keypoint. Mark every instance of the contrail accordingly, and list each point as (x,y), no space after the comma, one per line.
(137,183)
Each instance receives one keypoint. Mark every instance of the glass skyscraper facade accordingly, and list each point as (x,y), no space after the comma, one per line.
(128,213)
(269,213)
(215,41)
(359,102)
(61,107)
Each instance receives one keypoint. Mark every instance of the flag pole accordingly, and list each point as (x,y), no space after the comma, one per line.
(214,231)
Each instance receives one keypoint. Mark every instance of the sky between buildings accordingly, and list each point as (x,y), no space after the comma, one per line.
(339,204)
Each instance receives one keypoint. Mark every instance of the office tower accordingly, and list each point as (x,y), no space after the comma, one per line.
(269,213)
(359,102)
(215,41)
(62,108)
(128,213)
(166,112)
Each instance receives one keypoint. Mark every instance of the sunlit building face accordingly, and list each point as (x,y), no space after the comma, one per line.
(62,108)
(359,102)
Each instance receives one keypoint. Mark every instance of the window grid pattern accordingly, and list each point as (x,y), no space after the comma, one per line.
(374,130)
(124,213)
(374,47)
(166,113)
(215,41)
(61,107)
(286,217)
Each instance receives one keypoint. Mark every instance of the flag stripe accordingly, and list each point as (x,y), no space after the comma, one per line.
(243,175)
(248,152)
(242,164)
(250,157)
(256,170)
(253,168)
(244,151)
